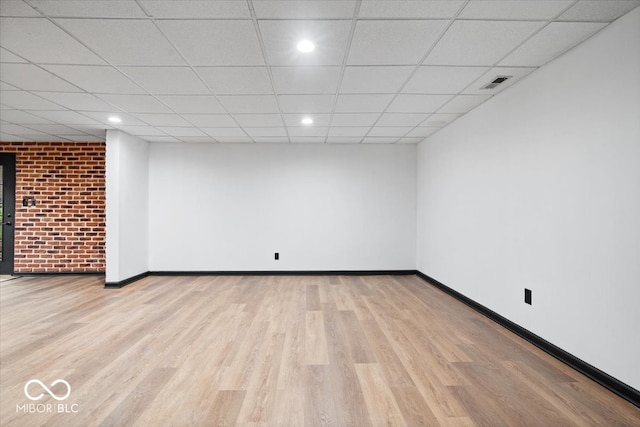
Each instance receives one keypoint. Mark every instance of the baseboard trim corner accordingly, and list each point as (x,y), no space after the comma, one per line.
(614,385)
(125,282)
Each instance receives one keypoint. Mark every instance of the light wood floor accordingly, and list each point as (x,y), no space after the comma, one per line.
(277,351)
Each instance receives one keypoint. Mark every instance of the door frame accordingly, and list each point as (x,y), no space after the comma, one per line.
(8,221)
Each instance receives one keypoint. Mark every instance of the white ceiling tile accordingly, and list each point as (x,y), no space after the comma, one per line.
(96,79)
(6,56)
(514,74)
(98,130)
(296,119)
(30,77)
(463,103)
(83,138)
(88,8)
(16,8)
(358,131)
(304,9)
(14,129)
(394,119)
(77,101)
(142,130)
(349,119)
(418,103)
(422,132)
(307,139)
(236,80)
(409,140)
(432,9)
(136,103)
(5,86)
(49,138)
(480,42)
(297,131)
(198,139)
(281,37)
(250,103)
(439,119)
(152,138)
(203,9)
(379,42)
(5,137)
(442,80)
(344,140)
(362,103)
(379,140)
(225,132)
(598,10)
(550,42)
(54,129)
(145,44)
(66,117)
(20,117)
(103,118)
(167,80)
(210,120)
(181,131)
(290,80)
(196,104)
(263,132)
(258,120)
(306,103)
(514,9)
(39,40)
(26,101)
(161,119)
(234,140)
(389,131)
(25,133)
(271,140)
(231,42)
(385,79)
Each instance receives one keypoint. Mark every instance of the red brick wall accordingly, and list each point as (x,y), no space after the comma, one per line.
(65,230)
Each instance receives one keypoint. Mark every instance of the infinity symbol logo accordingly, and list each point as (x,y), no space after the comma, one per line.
(52,394)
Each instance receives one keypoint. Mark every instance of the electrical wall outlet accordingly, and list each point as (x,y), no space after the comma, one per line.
(276,256)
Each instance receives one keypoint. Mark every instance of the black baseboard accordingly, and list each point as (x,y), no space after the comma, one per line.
(287,273)
(616,386)
(122,283)
(125,282)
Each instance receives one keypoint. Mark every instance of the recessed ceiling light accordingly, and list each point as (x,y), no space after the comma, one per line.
(305,46)
(114,119)
(307,121)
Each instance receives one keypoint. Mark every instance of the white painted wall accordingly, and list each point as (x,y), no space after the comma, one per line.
(127,206)
(322,207)
(540,188)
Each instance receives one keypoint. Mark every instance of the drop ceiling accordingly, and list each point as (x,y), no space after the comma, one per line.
(219,71)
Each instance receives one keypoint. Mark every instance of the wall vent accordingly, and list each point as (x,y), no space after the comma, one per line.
(497,81)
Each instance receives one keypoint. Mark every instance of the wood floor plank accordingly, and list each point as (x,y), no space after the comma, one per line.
(278,351)
(319,407)
(316,352)
(225,407)
(381,403)
(137,401)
